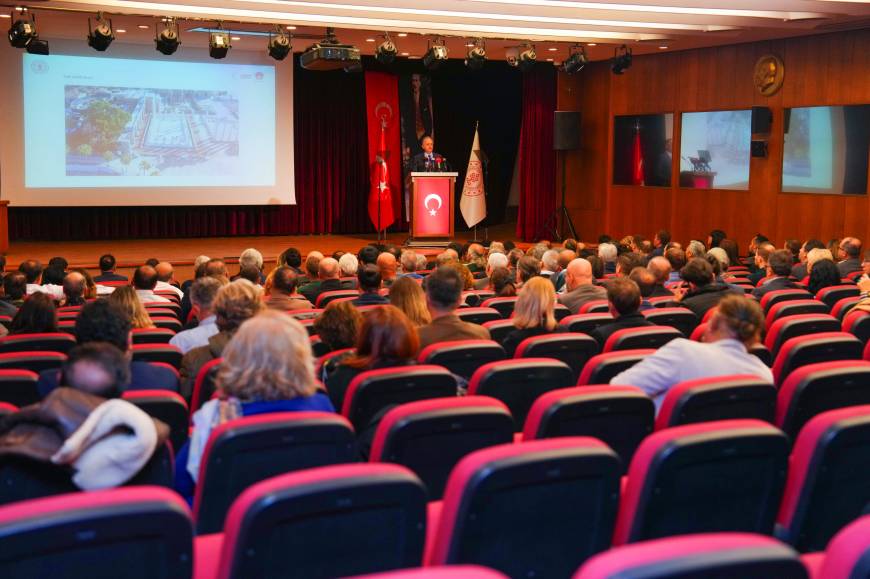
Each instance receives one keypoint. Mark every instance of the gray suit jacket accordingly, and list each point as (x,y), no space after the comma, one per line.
(575,298)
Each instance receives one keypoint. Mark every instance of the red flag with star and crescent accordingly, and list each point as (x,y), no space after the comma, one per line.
(382,102)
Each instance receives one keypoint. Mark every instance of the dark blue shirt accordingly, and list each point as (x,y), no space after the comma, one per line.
(143,376)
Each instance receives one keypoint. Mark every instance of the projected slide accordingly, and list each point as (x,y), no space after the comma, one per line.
(714,149)
(97,122)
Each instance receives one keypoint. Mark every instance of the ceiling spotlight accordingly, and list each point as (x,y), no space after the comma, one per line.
(386,52)
(476,56)
(576,60)
(527,57)
(219,43)
(435,55)
(621,60)
(23,31)
(167,40)
(38,46)
(280,44)
(101,37)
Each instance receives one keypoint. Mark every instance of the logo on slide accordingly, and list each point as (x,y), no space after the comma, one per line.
(259,76)
(39,66)
(429,197)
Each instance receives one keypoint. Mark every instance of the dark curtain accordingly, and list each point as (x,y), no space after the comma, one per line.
(537,161)
(331,182)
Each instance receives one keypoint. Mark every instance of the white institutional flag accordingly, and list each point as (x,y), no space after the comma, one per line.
(472,204)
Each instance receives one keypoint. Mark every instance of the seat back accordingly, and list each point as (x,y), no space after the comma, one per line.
(18,387)
(325,298)
(815,348)
(7,408)
(373,391)
(711,477)
(680,318)
(698,556)
(818,388)
(585,323)
(152,335)
(440,572)
(462,357)
(536,509)
(652,337)
(504,305)
(333,521)
(142,532)
(719,398)
(857,323)
(166,406)
(519,382)
(770,299)
(32,361)
(792,308)
(478,315)
(848,553)
(571,348)
(499,329)
(595,307)
(832,294)
(602,368)
(204,385)
(45,342)
(789,327)
(620,416)
(431,436)
(167,323)
(318,347)
(157,353)
(843,306)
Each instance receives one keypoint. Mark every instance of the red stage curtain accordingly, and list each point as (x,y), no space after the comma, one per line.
(537,171)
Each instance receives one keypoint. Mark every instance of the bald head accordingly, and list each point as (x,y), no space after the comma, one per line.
(74,287)
(566,256)
(387,265)
(579,273)
(328,268)
(164,271)
(660,268)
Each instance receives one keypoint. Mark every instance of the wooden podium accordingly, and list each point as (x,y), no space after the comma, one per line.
(432,206)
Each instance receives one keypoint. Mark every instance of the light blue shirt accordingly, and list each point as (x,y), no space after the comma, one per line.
(681,359)
(195,337)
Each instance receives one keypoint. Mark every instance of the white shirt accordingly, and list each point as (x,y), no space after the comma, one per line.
(195,337)
(55,291)
(146,296)
(681,359)
(163,286)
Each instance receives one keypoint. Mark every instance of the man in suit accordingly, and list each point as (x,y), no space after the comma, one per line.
(107,270)
(799,271)
(661,269)
(762,254)
(443,296)
(660,242)
(428,160)
(704,293)
(849,253)
(578,286)
(329,280)
(283,296)
(778,266)
(625,300)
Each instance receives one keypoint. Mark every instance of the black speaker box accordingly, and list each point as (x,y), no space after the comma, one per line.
(762,117)
(566,130)
(758,148)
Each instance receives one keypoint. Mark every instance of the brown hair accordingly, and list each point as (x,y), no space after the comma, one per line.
(126,299)
(386,334)
(407,295)
(624,295)
(535,305)
(464,273)
(338,325)
(742,316)
(236,302)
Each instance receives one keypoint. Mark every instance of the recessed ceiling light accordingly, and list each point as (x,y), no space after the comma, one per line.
(404,54)
(549,60)
(414,57)
(469,44)
(370,39)
(591,44)
(663,47)
(235,37)
(5,16)
(120,30)
(143,27)
(402,34)
(552,49)
(290,27)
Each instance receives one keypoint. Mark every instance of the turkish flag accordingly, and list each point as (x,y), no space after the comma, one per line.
(637,160)
(382,104)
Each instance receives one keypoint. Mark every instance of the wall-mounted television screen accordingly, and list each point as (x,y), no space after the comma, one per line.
(826,150)
(642,149)
(714,149)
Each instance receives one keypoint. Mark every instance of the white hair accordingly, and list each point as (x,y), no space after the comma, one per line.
(496,247)
(696,248)
(348,264)
(251,257)
(409,260)
(721,256)
(497,260)
(551,259)
(422,262)
(200,259)
(607,252)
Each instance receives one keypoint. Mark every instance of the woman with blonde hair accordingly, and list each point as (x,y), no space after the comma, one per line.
(126,299)
(533,313)
(407,295)
(267,367)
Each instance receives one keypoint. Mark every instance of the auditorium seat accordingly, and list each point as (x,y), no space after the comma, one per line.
(701,556)
(789,327)
(761,352)
(504,306)
(602,368)
(309,314)
(478,315)
(308,324)
(857,323)
(663,301)
(318,347)
(18,387)
(828,481)
(168,294)
(561,312)
(167,406)
(847,555)
(326,359)
(770,299)
(248,450)
(764,280)
(374,391)
(333,521)
(170,306)
(620,416)
(817,388)
(536,509)
(325,298)
(653,337)
(699,333)
(124,532)
(585,323)
(157,353)
(431,436)
(7,408)
(44,342)
(719,398)
(462,357)
(6,321)
(595,307)
(439,572)
(843,306)
(167,323)
(821,347)
(68,315)
(680,318)
(700,478)
(204,384)
(33,361)
(832,294)
(792,308)
(499,329)
(574,349)
(519,382)
(708,315)
(152,335)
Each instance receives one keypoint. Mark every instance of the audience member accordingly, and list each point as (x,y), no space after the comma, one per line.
(578,286)
(550,265)
(348,266)
(762,254)
(824,273)
(32,270)
(850,256)
(422,262)
(715,238)
(703,292)
(695,249)
(443,296)
(626,263)
(152,262)
(624,299)
(464,273)
(533,314)
(732,250)
(73,289)
(476,258)
(145,280)
(527,268)
(677,259)
(368,255)
(660,242)
(407,295)
(721,257)
(794,248)
(250,273)
(203,293)
(252,258)
(409,264)
(98,368)
(91,288)
(646,283)
(338,325)
(292,258)
(53,275)
(387,265)
(14,290)
(495,260)
(816,255)
(608,253)
(369,281)
(800,270)
(127,301)
(328,280)
(660,267)
(502,283)
(166,279)
(282,292)
(778,272)
(36,316)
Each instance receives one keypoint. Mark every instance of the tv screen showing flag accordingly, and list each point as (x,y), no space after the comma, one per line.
(714,149)
(642,149)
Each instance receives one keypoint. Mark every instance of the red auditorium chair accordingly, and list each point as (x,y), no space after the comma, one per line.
(828,481)
(812,349)
(682,319)
(762,353)
(855,275)
(172,306)
(843,306)
(325,298)
(602,368)
(504,306)
(585,323)
(817,388)
(663,301)
(157,353)
(470,299)
(536,509)
(144,530)
(46,342)
(152,335)
(832,294)
(573,349)
(445,572)
(18,387)
(482,295)
(620,416)
(308,324)
(374,391)
(155,312)
(204,384)
(519,382)
(327,360)
(248,450)
(652,337)
(33,361)
(499,329)
(68,315)
(847,555)
(318,347)
(462,357)
(167,406)
(168,294)
(701,478)
(595,307)
(770,299)
(167,323)
(7,408)
(720,555)
(789,327)
(699,332)
(763,280)
(333,521)
(561,312)
(719,398)
(6,321)
(431,436)
(478,315)
(305,314)
(794,307)
(857,323)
